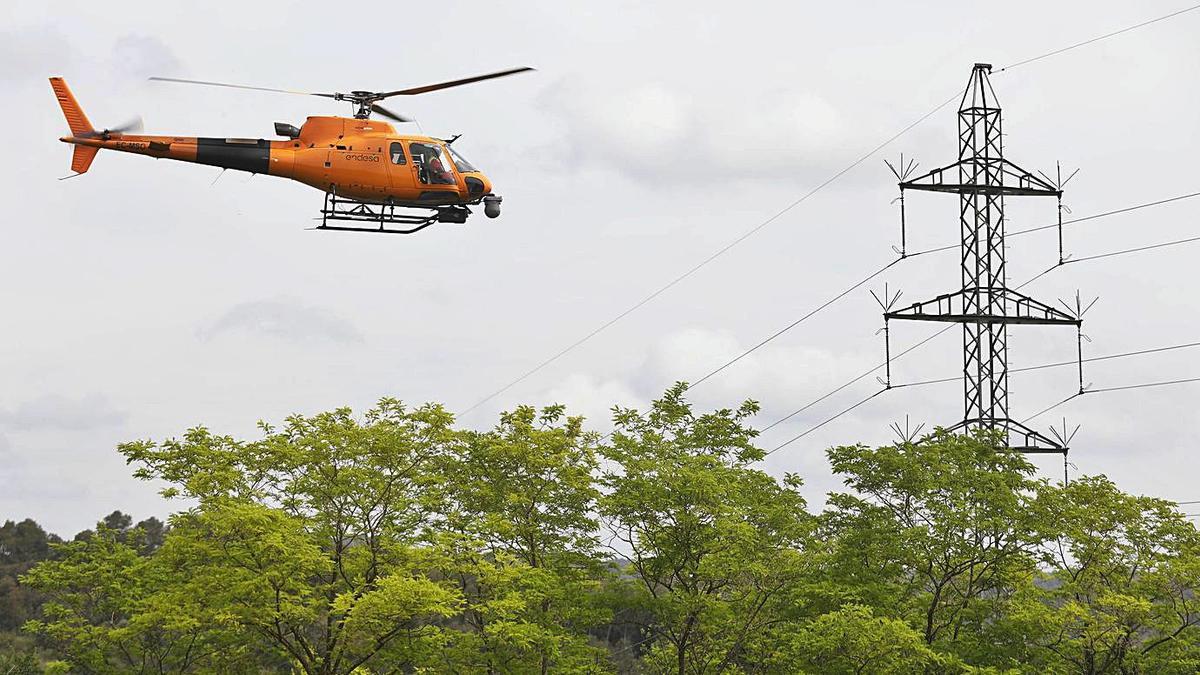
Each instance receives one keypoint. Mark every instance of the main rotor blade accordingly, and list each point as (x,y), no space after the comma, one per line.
(454,83)
(375,107)
(241,86)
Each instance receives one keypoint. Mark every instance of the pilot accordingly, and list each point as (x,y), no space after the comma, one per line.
(438,172)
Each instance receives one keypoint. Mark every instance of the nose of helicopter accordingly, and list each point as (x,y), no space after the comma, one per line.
(477,185)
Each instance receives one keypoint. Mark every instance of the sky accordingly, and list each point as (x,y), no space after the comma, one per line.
(149,297)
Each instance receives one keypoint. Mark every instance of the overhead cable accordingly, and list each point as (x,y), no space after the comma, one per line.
(721,251)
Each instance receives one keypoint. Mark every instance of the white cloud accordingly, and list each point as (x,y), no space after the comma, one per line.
(777,375)
(38,51)
(286,319)
(664,133)
(142,56)
(593,397)
(63,413)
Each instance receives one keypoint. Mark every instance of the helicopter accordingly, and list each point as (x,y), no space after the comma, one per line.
(374,179)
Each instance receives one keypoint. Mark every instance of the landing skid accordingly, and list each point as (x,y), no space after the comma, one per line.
(384,217)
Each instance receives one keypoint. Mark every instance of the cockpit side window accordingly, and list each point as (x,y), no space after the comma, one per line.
(396,150)
(433,164)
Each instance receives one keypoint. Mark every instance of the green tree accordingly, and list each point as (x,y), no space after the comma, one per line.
(937,533)
(713,544)
(1119,590)
(103,613)
(22,545)
(310,538)
(520,500)
(853,641)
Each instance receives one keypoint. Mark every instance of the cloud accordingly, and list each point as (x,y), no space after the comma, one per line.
(772,374)
(593,397)
(29,50)
(34,52)
(654,131)
(284,318)
(780,377)
(142,56)
(62,413)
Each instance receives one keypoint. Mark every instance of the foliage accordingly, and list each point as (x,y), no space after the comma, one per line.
(22,545)
(523,544)
(308,538)
(713,544)
(104,615)
(853,640)
(1118,591)
(395,542)
(936,532)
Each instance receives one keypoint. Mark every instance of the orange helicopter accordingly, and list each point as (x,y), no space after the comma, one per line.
(372,176)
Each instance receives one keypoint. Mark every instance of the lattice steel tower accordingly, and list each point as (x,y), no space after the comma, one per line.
(985,306)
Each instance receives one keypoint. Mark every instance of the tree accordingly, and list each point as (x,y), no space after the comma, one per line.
(937,533)
(853,641)
(101,613)
(22,545)
(520,500)
(310,538)
(151,533)
(1119,590)
(713,544)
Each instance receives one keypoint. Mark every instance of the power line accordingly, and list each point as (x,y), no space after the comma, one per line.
(852,381)
(879,271)
(797,322)
(868,372)
(714,256)
(1121,388)
(1107,357)
(1099,38)
(791,206)
(1059,364)
(827,421)
(1072,221)
(1046,410)
(1133,250)
(1144,385)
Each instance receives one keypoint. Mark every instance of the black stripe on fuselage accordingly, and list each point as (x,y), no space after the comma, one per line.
(247,155)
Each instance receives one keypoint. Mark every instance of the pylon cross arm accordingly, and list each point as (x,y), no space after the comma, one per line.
(988,176)
(1020,437)
(985,305)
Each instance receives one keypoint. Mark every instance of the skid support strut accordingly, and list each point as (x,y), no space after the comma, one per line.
(384,218)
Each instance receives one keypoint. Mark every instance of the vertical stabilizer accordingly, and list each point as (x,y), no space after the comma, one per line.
(76,120)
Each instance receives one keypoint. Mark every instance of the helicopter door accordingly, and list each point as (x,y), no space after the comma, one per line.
(433,170)
(397,166)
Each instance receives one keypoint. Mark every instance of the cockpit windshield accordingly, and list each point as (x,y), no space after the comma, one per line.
(460,162)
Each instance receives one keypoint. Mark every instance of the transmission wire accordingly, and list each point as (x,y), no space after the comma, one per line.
(1133,250)
(1126,387)
(1099,38)
(1059,364)
(1071,221)
(796,203)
